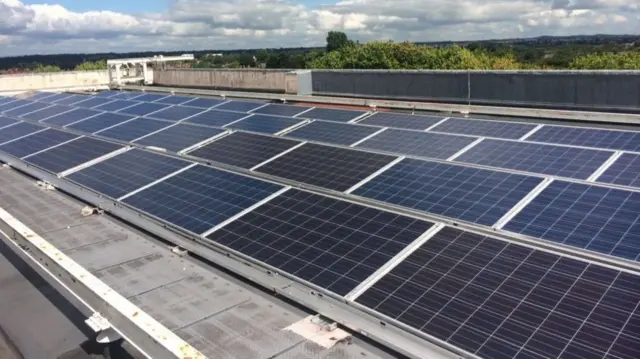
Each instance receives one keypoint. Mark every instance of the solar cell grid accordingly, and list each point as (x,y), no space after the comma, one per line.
(100,122)
(531,157)
(5,99)
(116,105)
(55,97)
(69,100)
(36,142)
(594,218)
(415,143)
(47,112)
(6,121)
(176,113)
(41,95)
(324,166)
(330,132)
(465,193)
(107,93)
(510,130)
(18,130)
(133,129)
(281,110)
(150,97)
(502,301)
(22,110)
(331,114)
(205,103)
(588,137)
(265,124)
(624,171)
(92,102)
(174,100)
(216,118)
(127,172)
(243,149)
(399,120)
(201,197)
(179,137)
(10,105)
(71,154)
(142,109)
(240,106)
(70,117)
(328,242)
(127,95)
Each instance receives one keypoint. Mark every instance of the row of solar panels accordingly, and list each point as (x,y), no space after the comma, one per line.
(563,161)
(489,297)
(574,214)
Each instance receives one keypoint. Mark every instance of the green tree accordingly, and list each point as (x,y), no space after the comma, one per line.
(336,40)
(90,66)
(47,68)
(628,60)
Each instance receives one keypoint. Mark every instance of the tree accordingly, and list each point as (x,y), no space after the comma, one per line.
(336,40)
(47,68)
(91,66)
(629,60)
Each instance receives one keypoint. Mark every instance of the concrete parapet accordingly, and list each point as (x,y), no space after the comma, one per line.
(236,79)
(53,80)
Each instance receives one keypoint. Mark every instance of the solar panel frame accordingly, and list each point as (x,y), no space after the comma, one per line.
(588,137)
(67,118)
(624,171)
(484,128)
(6,99)
(18,130)
(281,110)
(176,113)
(6,121)
(100,122)
(179,137)
(332,114)
(205,103)
(217,118)
(45,113)
(143,109)
(93,102)
(116,106)
(401,120)
(36,142)
(265,124)
(332,132)
(240,106)
(7,106)
(28,108)
(134,129)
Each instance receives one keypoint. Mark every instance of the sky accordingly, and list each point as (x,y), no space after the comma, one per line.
(90,26)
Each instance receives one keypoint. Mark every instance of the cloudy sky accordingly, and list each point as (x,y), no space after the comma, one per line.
(55,26)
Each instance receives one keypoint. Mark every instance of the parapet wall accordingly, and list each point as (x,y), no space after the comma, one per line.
(53,80)
(225,79)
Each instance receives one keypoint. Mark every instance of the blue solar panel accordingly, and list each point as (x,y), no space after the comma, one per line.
(133,129)
(5,99)
(127,172)
(41,95)
(100,122)
(127,95)
(143,109)
(36,142)
(116,105)
(332,114)
(176,113)
(588,137)
(13,105)
(240,106)
(18,130)
(217,118)
(281,110)
(54,98)
(179,137)
(624,171)
(22,110)
(66,118)
(415,143)
(71,154)
(201,197)
(532,157)
(265,124)
(401,120)
(204,102)
(6,121)
(330,132)
(594,218)
(510,130)
(465,193)
(174,100)
(92,102)
(47,112)
(107,93)
(69,100)
(150,97)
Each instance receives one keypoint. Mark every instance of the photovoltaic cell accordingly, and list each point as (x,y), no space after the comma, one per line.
(6,121)
(41,95)
(176,113)
(588,137)
(144,108)
(69,100)
(281,110)
(92,102)
(265,124)
(72,116)
(465,193)
(174,100)
(150,97)
(594,218)
(116,105)
(179,137)
(331,243)
(624,171)
(475,127)
(205,103)
(56,97)
(332,114)
(201,197)
(36,142)
(18,130)
(243,149)
(47,112)
(400,120)
(532,157)
(107,93)
(499,300)
(71,154)
(5,99)
(127,95)
(100,122)
(133,129)
(10,105)
(127,172)
(216,118)
(324,166)
(416,143)
(332,132)
(240,106)
(35,106)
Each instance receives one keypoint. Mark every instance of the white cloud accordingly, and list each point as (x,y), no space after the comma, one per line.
(229,24)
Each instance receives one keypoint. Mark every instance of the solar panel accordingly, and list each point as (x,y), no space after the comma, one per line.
(127,95)
(116,105)
(204,102)
(331,243)
(265,124)
(47,112)
(35,106)
(588,137)
(281,110)
(174,100)
(100,122)
(5,99)
(333,132)
(416,143)
(400,120)
(69,100)
(107,93)
(13,105)
(216,118)
(243,149)
(324,166)
(176,113)
(552,160)
(56,97)
(511,130)
(594,218)
(624,171)
(36,142)
(72,116)
(499,300)
(41,95)
(144,108)
(150,97)
(127,172)
(240,106)
(6,121)
(129,131)
(201,197)
(93,102)
(179,137)
(71,154)
(18,130)
(465,193)
(332,114)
